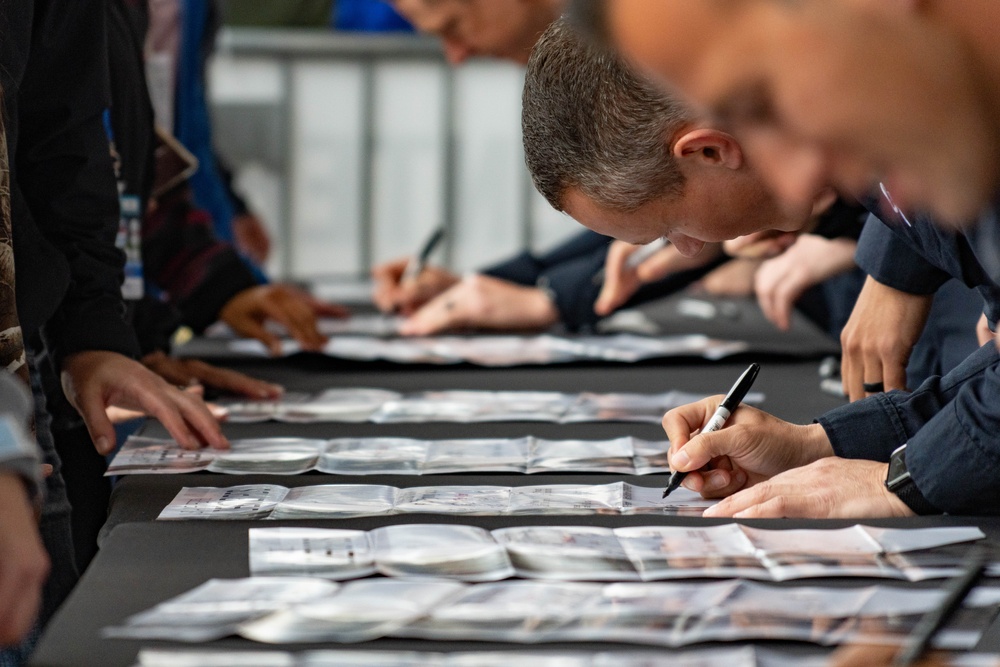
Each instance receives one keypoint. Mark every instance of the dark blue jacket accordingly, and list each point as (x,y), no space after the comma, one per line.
(952,423)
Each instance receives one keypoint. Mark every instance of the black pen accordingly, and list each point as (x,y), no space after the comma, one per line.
(417,263)
(718,420)
(955,593)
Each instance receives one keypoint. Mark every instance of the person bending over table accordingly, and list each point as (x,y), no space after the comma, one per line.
(528,291)
(563,74)
(625,160)
(850,93)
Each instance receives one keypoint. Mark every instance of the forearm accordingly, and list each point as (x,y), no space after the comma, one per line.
(183,257)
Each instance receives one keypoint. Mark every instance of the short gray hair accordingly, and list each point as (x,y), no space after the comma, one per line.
(589,122)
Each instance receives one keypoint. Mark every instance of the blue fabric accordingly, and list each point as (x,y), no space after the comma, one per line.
(920,256)
(16,656)
(368,16)
(193,126)
(950,422)
(950,334)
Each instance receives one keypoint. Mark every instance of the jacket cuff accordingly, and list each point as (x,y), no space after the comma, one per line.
(866,429)
(101,327)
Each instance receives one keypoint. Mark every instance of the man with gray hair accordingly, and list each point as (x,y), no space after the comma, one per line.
(627,161)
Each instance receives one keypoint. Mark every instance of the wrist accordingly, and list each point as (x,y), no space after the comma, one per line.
(899,484)
(542,305)
(816,443)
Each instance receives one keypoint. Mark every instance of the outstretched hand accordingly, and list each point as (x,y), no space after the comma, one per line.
(394,295)
(293,308)
(96,380)
(483,302)
(187,372)
(829,488)
(621,281)
(809,261)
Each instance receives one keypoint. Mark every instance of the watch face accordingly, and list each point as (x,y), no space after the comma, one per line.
(897,469)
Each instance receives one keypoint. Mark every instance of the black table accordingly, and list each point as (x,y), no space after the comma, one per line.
(143,562)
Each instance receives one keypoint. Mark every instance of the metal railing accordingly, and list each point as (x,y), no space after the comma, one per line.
(289,48)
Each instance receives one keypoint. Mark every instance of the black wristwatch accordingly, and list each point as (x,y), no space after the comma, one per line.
(898,481)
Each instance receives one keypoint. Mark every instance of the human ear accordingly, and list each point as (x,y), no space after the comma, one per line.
(710,146)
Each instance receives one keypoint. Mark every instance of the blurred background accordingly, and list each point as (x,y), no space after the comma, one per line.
(352,139)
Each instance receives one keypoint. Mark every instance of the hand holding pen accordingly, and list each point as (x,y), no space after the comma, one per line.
(729,404)
(418,262)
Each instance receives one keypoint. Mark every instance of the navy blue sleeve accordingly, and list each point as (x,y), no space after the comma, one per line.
(950,424)
(526,268)
(891,260)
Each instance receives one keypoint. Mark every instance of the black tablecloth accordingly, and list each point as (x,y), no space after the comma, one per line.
(142,562)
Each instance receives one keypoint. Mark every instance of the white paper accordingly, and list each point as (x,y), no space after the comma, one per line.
(494,455)
(248,501)
(581,455)
(472,500)
(214,609)
(154,456)
(369,338)
(335,501)
(566,499)
(439,550)
(361,610)
(566,552)
(370,456)
(328,553)
(277,456)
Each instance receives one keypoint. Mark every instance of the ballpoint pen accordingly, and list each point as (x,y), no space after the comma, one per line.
(417,263)
(637,257)
(722,413)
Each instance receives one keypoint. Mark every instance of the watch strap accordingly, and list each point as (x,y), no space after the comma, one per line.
(910,494)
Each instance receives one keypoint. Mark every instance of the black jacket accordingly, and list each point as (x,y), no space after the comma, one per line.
(53,64)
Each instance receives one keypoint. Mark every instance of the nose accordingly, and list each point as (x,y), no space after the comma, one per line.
(687,246)
(456,52)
